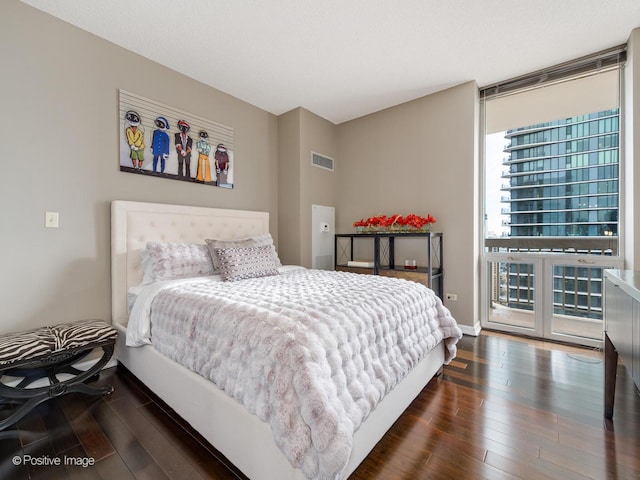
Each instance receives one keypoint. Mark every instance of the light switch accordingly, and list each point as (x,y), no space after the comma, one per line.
(51,219)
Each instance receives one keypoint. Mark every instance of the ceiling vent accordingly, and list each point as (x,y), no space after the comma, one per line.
(322,161)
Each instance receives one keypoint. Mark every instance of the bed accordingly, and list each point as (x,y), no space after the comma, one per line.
(242,437)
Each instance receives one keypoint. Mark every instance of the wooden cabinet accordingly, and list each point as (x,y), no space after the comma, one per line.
(381,247)
(621,328)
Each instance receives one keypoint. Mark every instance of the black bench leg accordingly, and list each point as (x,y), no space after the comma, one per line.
(35,396)
(22,411)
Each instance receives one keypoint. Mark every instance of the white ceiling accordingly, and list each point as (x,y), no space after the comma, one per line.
(342,59)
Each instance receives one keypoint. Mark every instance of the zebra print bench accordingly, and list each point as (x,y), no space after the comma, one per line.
(47,353)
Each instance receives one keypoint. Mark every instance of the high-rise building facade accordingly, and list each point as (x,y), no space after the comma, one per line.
(563,177)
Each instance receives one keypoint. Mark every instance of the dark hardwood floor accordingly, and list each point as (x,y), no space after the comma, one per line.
(505,408)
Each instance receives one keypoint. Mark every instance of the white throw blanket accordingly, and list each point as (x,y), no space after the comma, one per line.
(310,352)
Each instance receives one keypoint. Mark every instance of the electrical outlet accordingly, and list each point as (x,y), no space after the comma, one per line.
(451,296)
(51,219)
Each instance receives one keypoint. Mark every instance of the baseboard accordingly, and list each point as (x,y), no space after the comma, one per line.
(474,330)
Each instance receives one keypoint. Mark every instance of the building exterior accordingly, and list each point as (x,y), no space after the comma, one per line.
(563,177)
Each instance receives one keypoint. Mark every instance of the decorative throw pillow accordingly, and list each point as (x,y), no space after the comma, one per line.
(170,261)
(255,241)
(237,263)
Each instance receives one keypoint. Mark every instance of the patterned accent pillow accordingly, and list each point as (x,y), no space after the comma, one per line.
(238,263)
(170,261)
(255,241)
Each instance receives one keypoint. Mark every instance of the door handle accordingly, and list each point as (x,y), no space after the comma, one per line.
(586,262)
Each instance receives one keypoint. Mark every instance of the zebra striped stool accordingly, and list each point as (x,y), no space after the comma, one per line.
(45,353)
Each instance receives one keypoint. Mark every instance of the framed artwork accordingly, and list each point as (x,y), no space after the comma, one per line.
(165,142)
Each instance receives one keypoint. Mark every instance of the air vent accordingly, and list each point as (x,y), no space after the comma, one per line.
(322,161)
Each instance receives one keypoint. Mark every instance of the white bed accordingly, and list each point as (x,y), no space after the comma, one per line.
(245,440)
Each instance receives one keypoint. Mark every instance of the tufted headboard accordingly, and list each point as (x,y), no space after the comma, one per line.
(133,224)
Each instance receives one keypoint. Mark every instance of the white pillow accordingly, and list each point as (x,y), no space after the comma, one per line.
(170,261)
(238,263)
(255,241)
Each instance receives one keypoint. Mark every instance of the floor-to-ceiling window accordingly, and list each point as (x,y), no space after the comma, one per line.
(552,198)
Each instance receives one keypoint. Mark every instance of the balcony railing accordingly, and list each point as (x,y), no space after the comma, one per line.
(607,245)
(576,289)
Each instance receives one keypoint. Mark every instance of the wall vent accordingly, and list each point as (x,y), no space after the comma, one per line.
(322,161)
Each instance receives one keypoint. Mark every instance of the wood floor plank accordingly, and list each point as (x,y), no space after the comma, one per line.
(209,462)
(440,436)
(134,455)
(589,465)
(40,457)
(63,437)
(11,447)
(604,446)
(77,409)
(506,423)
(32,428)
(157,445)
(113,467)
(448,466)
(78,465)
(537,469)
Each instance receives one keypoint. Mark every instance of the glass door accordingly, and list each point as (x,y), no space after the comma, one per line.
(576,298)
(512,294)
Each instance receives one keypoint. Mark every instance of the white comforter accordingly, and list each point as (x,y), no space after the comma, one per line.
(310,352)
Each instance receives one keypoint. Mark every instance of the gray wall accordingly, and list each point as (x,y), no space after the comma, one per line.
(302,185)
(318,186)
(59,131)
(289,187)
(420,157)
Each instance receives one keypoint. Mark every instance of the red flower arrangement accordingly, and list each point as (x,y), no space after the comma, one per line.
(395,223)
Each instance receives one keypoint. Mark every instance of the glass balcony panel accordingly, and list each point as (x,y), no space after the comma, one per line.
(577,301)
(512,294)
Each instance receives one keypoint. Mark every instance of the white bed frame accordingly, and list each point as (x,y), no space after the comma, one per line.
(241,437)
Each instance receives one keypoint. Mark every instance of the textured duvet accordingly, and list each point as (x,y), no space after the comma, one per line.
(309,352)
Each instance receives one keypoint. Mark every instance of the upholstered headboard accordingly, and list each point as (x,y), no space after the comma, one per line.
(133,224)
